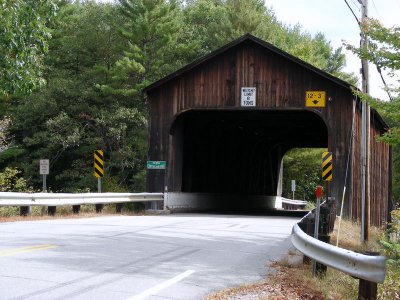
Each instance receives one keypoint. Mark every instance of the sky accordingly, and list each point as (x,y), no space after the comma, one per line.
(334,19)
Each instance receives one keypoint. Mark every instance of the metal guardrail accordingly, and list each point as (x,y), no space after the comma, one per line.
(370,268)
(58,199)
(293,202)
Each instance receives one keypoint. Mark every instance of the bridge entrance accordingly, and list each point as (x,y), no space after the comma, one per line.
(240,152)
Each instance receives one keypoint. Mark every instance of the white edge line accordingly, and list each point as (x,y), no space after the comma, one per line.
(162,286)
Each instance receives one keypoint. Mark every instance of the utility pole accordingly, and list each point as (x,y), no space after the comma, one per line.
(365,195)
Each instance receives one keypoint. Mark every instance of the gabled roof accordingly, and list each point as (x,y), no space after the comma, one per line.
(245,39)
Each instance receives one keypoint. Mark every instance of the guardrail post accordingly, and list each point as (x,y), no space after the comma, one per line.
(76,209)
(118,208)
(367,290)
(323,235)
(51,210)
(24,211)
(307,225)
(99,208)
(320,269)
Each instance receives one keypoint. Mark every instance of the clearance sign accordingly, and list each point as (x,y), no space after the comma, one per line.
(315,98)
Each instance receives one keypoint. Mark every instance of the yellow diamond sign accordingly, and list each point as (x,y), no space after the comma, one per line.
(315,98)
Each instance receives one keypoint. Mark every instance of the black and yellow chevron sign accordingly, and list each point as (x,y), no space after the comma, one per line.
(98,163)
(327,166)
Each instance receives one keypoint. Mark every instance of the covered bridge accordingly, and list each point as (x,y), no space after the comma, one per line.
(224,122)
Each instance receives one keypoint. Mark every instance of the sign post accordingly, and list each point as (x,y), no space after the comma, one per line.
(44,171)
(293,187)
(318,195)
(158,165)
(99,173)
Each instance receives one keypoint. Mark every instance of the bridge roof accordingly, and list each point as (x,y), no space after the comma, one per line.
(246,39)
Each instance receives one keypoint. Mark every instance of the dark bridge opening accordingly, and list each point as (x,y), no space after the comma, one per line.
(240,152)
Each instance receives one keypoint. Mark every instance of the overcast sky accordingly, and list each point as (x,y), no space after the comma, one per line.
(335,20)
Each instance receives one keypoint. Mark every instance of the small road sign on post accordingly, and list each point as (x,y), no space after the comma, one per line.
(318,195)
(98,173)
(44,169)
(156,164)
(98,163)
(327,167)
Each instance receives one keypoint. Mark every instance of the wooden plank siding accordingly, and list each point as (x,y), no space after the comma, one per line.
(213,85)
(379,176)
(379,168)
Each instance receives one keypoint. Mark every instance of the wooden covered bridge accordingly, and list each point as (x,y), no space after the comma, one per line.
(224,122)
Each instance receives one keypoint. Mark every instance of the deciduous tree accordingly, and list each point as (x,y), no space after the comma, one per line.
(24,37)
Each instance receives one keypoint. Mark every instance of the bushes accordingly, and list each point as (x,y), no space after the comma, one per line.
(391,246)
(11,181)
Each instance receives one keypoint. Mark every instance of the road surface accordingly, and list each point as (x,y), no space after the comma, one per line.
(182,256)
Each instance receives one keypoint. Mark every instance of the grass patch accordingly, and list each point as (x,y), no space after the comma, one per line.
(350,237)
(335,284)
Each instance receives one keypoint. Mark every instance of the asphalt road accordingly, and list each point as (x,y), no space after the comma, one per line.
(182,256)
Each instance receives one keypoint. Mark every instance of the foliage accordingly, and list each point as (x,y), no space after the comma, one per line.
(24,39)
(391,112)
(384,51)
(4,137)
(391,244)
(70,117)
(151,29)
(383,47)
(304,166)
(11,181)
(245,16)
(207,26)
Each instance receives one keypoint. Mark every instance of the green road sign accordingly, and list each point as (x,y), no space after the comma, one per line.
(156,164)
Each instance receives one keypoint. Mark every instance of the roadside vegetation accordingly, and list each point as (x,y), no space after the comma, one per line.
(304,166)
(293,280)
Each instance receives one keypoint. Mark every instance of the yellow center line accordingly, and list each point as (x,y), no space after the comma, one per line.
(16,251)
